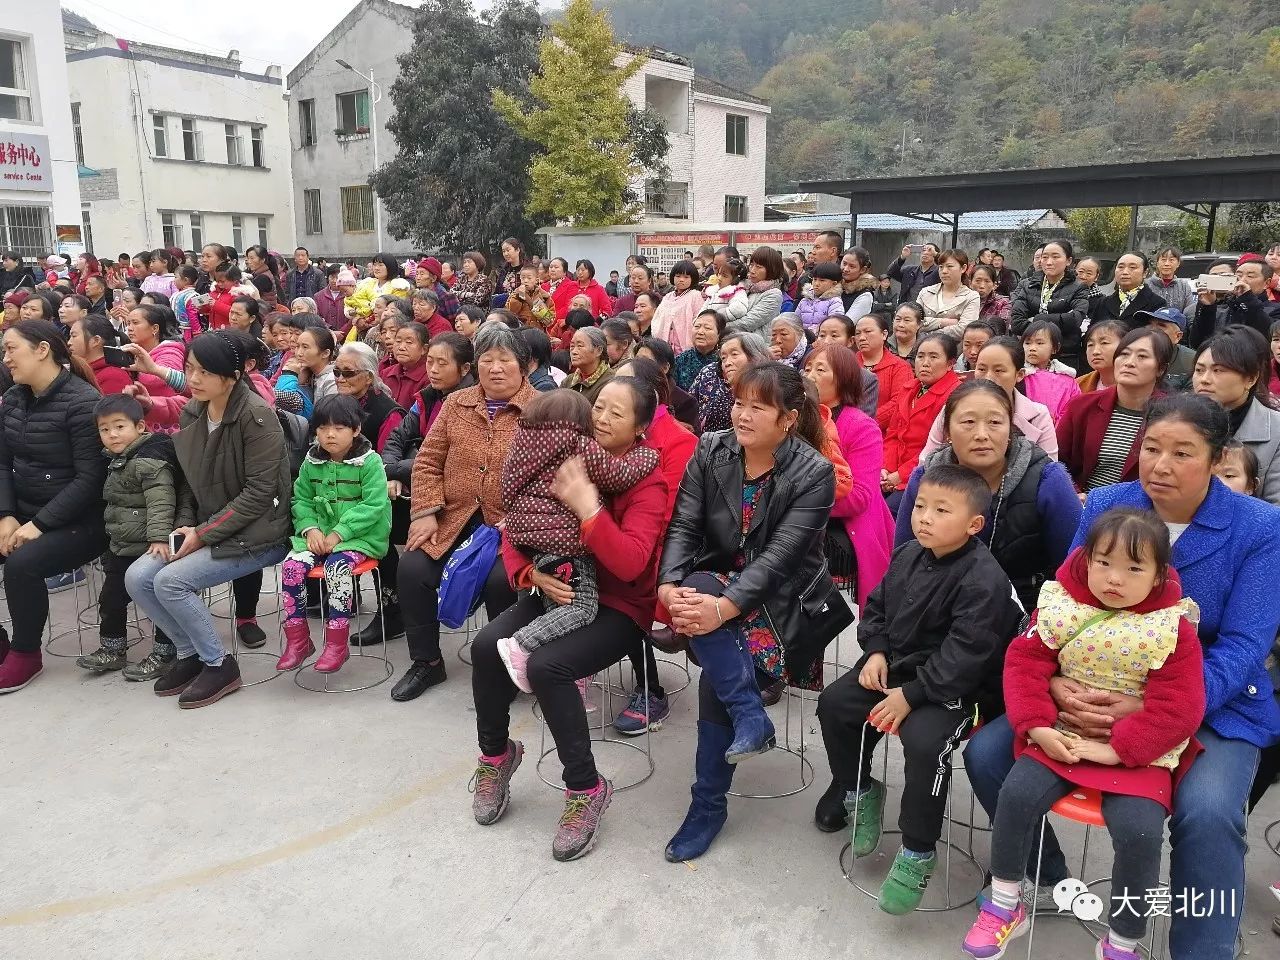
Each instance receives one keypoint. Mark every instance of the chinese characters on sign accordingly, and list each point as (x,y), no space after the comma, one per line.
(24,162)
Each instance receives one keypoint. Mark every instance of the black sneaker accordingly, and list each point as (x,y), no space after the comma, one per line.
(830,814)
(212,685)
(419,678)
(251,635)
(178,676)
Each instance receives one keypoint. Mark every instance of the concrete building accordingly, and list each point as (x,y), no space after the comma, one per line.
(176,148)
(338,131)
(39,193)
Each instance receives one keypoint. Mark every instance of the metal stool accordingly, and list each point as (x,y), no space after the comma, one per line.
(950,901)
(237,650)
(1083,805)
(90,598)
(805,767)
(471,627)
(601,735)
(305,676)
(1273,826)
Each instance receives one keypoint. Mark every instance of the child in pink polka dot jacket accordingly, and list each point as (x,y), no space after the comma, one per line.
(1114,620)
(555,427)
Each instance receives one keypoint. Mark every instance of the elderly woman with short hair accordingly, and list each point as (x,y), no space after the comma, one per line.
(456,487)
(589,368)
(713,386)
(304,305)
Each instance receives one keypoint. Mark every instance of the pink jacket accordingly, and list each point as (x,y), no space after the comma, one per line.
(863,511)
(1032,420)
(673,320)
(1054,390)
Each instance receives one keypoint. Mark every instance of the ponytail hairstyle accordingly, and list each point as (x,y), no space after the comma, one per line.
(782,387)
(36,332)
(161,317)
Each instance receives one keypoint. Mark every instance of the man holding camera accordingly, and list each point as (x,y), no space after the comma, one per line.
(1227,295)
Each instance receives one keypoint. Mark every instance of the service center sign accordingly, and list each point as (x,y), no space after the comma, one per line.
(24,162)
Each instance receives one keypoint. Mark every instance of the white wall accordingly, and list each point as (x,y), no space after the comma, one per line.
(719,173)
(38,24)
(119,97)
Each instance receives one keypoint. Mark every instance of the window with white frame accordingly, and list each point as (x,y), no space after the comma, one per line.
(192,140)
(160,128)
(197,231)
(77,134)
(735,134)
(353,113)
(15,87)
(235,146)
(313,219)
(307,123)
(170,230)
(257,155)
(262,231)
(735,209)
(237,233)
(87,224)
(25,230)
(357,209)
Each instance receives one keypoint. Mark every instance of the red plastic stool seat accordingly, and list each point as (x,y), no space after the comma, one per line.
(1083,805)
(364,566)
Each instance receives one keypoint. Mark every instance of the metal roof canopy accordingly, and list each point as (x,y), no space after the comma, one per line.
(1175,183)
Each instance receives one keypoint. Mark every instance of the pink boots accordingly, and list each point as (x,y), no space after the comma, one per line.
(19,668)
(336,650)
(297,645)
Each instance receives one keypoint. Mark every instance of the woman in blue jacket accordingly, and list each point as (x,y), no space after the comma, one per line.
(1226,552)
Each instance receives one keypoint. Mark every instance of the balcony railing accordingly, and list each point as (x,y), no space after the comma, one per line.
(667,199)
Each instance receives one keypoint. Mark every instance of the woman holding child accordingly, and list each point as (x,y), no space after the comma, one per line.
(1225,552)
(622,535)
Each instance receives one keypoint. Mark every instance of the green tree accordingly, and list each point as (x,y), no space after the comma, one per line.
(579,119)
(1253,226)
(458,177)
(1100,229)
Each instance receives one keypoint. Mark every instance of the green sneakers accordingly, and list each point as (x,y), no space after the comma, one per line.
(869,819)
(103,660)
(904,887)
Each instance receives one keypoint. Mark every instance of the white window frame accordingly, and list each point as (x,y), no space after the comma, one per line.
(237,233)
(160,134)
(355,130)
(86,224)
(170,230)
(25,93)
(312,213)
(197,231)
(77,135)
(235,144)
(196,144)
(257,148)
(731,124)
(743,203)
(263,227)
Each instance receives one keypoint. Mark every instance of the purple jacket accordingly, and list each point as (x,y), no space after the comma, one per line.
(863,510)
(813,310)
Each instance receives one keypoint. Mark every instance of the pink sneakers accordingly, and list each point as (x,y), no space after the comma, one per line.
(516,661)
(991,932)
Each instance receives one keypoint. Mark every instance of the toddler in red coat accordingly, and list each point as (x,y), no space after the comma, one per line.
(555,427)
(1115,620)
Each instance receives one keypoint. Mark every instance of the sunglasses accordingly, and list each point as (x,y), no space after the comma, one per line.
(340,373)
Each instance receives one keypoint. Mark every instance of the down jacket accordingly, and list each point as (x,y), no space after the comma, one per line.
(141,494)
(236,484)
(813,310)
(1067,308)
(51,463)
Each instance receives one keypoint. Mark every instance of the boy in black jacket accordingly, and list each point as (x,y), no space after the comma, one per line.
(934,634)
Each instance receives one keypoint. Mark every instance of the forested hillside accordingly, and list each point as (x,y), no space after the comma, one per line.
(983,83)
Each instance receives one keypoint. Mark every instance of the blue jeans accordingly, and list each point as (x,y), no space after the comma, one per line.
(170,594)
(1207,831)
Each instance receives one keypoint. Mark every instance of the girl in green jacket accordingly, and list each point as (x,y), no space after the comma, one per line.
(341,517)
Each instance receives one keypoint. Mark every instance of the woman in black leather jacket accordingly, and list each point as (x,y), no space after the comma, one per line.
(449,360)
(744,576)
(1054,295)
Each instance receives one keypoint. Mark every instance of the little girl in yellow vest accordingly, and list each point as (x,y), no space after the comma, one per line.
(1115,620)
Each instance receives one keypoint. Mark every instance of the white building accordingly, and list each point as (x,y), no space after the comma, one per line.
(39,194)
(176,149)
(339,136)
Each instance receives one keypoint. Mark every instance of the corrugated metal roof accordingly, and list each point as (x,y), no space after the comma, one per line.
(976,222)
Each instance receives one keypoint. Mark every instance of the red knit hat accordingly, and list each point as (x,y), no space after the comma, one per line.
(431,265)
(1249,258)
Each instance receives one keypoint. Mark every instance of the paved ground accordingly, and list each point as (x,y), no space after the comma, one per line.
(282,823)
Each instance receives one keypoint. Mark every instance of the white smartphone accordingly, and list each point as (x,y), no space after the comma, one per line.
(1218,283)
(176,540)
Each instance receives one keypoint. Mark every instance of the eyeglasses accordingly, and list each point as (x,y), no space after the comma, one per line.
(345,374)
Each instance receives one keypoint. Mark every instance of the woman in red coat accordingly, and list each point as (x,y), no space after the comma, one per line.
(915,411)
(1100,433)
(584,281)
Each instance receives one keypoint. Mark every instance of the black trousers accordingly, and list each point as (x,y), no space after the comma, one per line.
(929,734)
(58,551)
(247,590)
(1268,771)
(553,670)
(113,601)
(419,584)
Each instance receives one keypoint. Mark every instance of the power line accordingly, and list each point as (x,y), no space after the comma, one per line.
(270,61)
